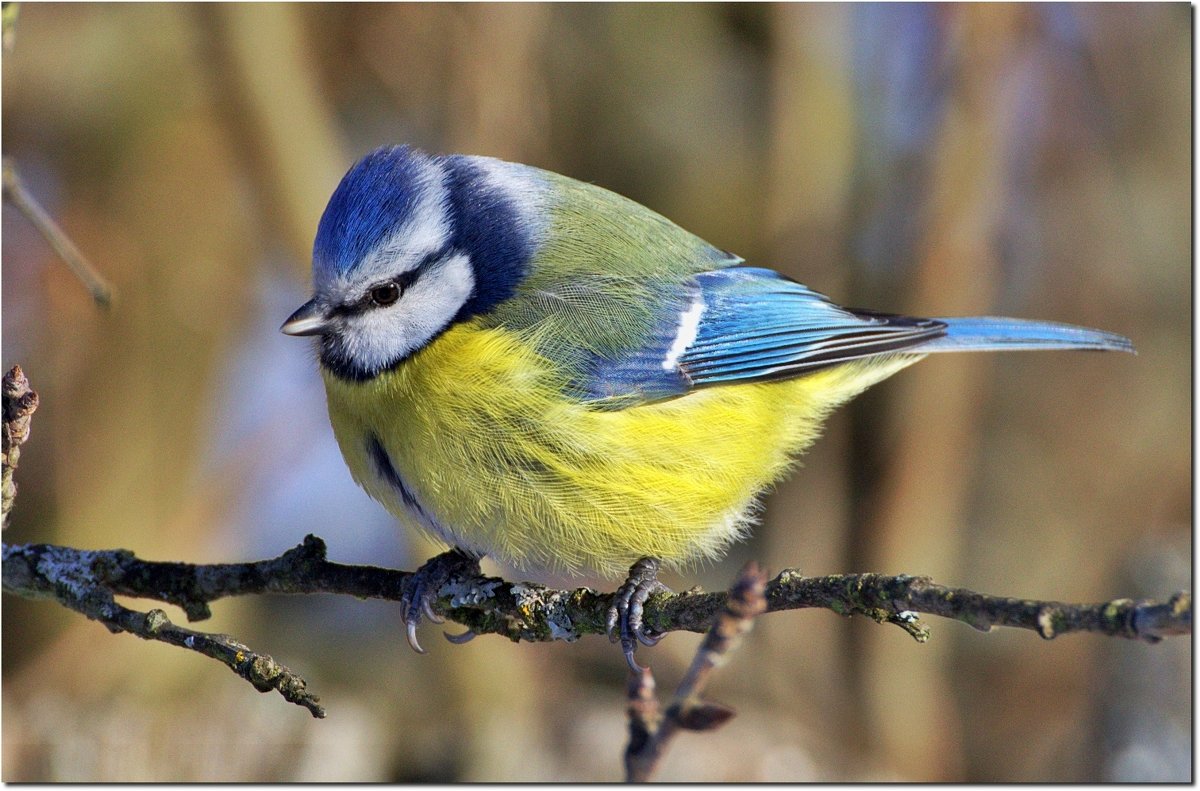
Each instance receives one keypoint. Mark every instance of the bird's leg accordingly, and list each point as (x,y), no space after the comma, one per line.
(626,609)
(421,590)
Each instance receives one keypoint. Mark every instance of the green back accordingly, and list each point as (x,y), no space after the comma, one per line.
(605,274)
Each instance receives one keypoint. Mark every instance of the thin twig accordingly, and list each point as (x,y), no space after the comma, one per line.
(16,193)
(19,403)
(70,576)
(649,733)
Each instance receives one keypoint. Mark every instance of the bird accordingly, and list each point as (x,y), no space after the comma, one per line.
(537,369)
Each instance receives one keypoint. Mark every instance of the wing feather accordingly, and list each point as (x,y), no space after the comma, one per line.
(760,325)
(754,324)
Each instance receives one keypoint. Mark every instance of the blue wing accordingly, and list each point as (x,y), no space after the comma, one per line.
(746,324)
(760,325)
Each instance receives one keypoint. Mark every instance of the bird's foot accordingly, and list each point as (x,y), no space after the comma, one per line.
(421,591)
(626,609)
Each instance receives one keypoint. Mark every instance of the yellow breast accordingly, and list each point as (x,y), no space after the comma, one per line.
(485,452)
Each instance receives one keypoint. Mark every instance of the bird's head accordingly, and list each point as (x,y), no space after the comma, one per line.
(409,245)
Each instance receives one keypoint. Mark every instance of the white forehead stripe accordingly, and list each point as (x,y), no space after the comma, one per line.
(685,336)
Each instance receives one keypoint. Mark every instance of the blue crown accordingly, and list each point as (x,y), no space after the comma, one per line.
(382,190)
(375,196)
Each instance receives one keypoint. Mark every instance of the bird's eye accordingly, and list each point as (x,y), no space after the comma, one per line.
(385,294)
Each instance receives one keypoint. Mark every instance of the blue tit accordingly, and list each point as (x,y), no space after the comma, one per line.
(540,370)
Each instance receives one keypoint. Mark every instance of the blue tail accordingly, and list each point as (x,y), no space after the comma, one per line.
(995,333)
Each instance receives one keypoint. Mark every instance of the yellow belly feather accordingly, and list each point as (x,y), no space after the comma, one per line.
(501,463)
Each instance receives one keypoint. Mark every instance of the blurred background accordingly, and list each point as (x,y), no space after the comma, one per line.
(1021,160)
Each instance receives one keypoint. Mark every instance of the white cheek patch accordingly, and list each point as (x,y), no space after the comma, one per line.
(685,336)
(379,337)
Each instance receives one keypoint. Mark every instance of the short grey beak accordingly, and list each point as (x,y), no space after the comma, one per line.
(309,319)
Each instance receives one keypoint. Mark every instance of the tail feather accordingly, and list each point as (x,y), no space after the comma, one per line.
(995,333)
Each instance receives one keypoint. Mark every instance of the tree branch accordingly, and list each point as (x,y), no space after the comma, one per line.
(649,732)
(19,403)
(16,193)
(79,580)
(86,581)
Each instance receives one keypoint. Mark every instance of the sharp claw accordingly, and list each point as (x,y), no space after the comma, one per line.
(648,639)
(412,638)
(634,667)
(420,592)
(627,608)
(429,613)
(459,639)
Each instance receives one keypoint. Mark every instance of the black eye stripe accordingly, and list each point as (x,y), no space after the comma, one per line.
(429,260)
(408,278)
(404,281)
